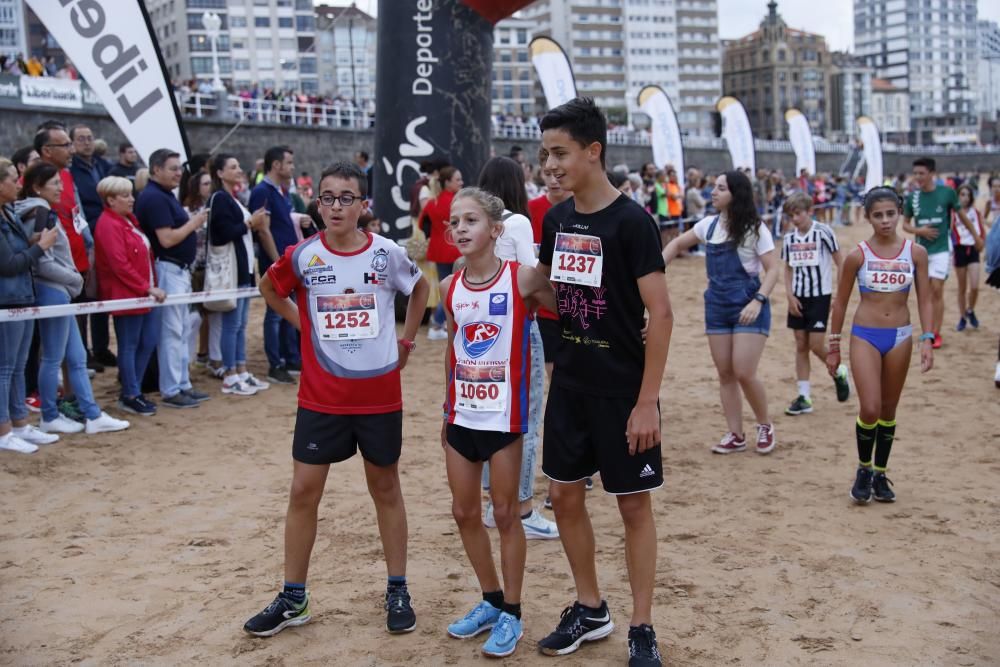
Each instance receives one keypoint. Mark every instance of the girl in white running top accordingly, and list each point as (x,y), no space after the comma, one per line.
(489,306)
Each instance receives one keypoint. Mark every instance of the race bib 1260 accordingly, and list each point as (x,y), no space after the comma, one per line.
(888,275)
(578,259)
(480,388)
(345,316)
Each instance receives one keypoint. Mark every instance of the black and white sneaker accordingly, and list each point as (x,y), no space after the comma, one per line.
(578,624)
(881,490)
(400,617)
(280,614)
(642,649)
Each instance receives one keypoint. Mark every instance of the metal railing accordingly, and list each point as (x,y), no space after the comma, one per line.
(292,112)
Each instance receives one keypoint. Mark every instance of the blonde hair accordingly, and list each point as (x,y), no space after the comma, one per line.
(797,201)
(5,166)
(491,204)
(141,179)
(111,186)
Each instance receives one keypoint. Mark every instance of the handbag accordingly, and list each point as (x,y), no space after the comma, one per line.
(416,245)
(220,268)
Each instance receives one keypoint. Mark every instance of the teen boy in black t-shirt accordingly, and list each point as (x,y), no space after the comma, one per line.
(602,252)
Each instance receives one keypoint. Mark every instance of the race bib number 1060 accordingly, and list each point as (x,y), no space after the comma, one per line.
(480,388)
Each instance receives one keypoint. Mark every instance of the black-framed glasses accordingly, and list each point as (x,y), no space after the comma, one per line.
(346,199)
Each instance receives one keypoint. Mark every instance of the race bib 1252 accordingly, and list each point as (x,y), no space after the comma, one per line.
(345,316)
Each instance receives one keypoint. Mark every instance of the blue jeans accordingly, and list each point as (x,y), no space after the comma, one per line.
(281,340)
(15,341)
(137,337)
(529,451)
(443,271)
(234,334)
(173,353)
(61,341)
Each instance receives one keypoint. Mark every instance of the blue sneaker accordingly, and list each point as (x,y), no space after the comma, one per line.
(961,324)
(482,617)
(503,640)
(973,320)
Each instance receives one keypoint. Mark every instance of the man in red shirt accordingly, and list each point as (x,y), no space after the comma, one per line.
(54,146)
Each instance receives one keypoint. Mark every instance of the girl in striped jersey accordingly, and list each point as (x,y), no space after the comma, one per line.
(809,251)
(489,307)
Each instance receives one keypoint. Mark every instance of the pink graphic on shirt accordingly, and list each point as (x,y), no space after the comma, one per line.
(575,302)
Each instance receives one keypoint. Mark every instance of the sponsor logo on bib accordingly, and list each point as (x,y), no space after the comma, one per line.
(479,337)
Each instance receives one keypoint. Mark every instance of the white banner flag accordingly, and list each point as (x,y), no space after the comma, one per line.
(801,138)
(111,43)
(554,71)
(872,147)
(736,131)
(665,132)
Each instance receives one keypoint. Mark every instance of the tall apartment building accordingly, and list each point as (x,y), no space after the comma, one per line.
(699,62)
(269,43)
(850,95)
(13,36)
(928,48)
(346,49)
(513,74)
(617,47)
(988,44)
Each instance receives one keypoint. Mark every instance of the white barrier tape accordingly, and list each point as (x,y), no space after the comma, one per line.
(42,312)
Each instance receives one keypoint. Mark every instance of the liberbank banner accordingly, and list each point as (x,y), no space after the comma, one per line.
(111,43)
(432,94)
(48,92)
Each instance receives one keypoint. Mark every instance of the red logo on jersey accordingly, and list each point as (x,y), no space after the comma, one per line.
(479,337)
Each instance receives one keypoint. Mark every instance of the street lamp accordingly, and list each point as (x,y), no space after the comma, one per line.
(212,23)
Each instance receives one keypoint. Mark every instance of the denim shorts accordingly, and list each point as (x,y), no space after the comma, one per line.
(723,318)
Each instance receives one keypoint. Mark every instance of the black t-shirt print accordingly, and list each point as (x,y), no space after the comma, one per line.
(601,351)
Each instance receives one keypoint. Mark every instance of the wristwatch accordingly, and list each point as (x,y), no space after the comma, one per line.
(408,344)
(760,297)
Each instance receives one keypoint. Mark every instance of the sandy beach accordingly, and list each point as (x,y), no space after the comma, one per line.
(153,546)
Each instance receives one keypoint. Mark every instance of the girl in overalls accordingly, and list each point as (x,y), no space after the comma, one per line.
(737,306)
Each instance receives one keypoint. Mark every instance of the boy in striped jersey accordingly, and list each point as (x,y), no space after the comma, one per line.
(809,250)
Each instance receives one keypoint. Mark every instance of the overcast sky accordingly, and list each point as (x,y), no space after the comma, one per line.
(831,18)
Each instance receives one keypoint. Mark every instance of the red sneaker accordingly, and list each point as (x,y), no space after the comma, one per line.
(34,403)
(936,345)
(730,443)
(765,438)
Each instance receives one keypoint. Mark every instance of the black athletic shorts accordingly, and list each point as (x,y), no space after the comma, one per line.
(322,439)
(815,314)
(476,445)
(585,434)
(965,255)
(551,331)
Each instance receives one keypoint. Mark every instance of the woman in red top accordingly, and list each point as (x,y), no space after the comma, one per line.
(124,264)
(440,249)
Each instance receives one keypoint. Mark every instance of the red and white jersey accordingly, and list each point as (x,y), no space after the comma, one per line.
(490,362)
(886,274)
(960,235)
(346,309)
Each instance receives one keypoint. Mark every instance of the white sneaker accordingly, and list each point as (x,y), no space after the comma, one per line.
(13,443)
(537,527)
(488,519)
(437,334)
(61,424)
(237,387)
(251,381)
(106,424)
(31,434)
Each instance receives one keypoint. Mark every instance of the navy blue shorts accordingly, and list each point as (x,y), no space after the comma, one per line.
(725,319)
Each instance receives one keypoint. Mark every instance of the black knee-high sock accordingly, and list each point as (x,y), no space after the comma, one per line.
(866,441)
(883,443)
